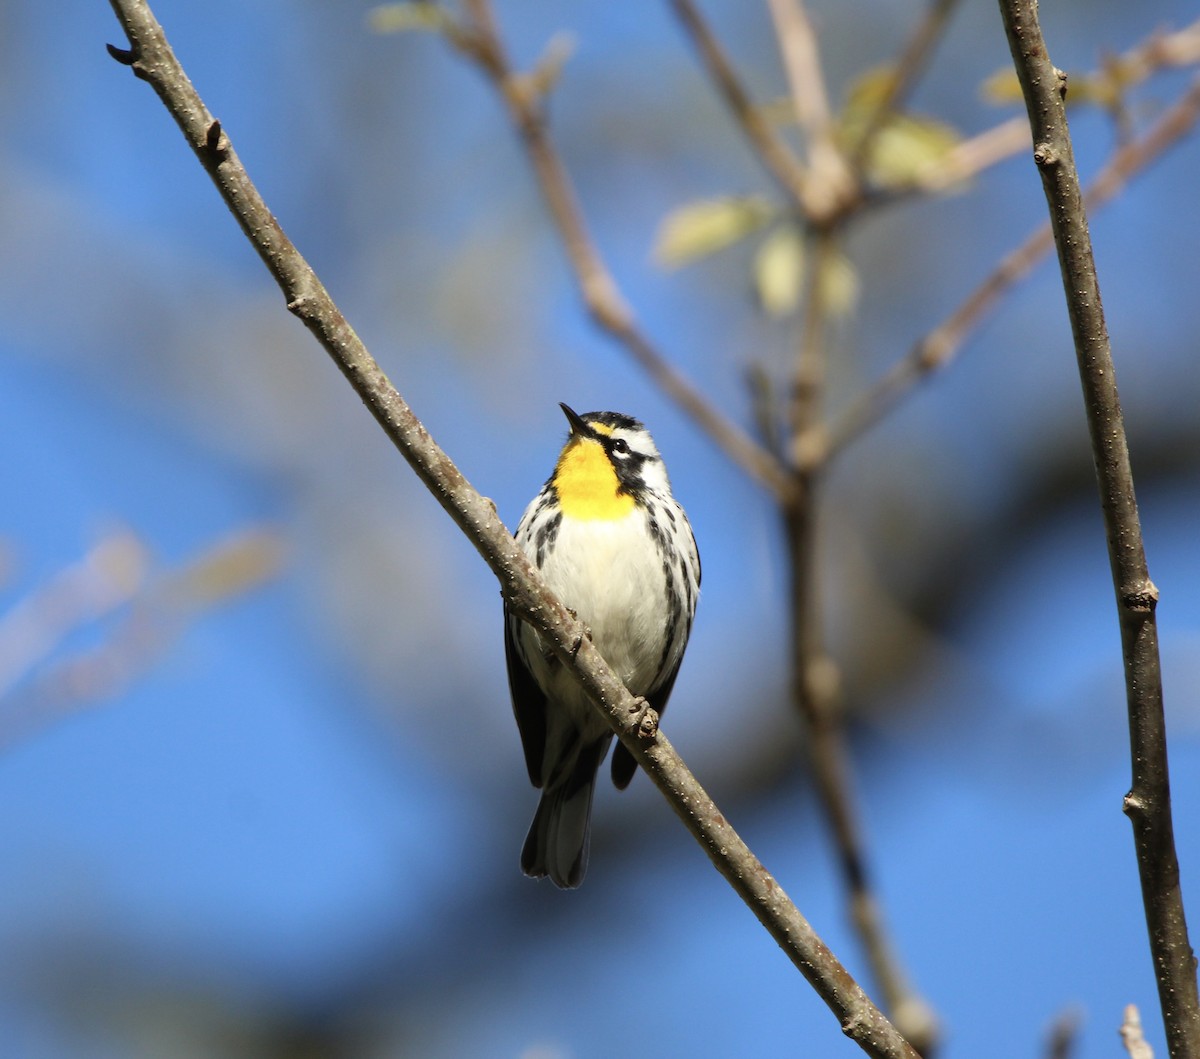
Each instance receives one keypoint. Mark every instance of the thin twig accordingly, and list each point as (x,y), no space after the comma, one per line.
(1148,803)
(601,295)
(830,187)
(151,58)
(938,348)
(132,611)
(1131,1034)
(973,155)
(106,579)
(1161,50)
(908,69)
(1064,1033)
(954,169)
(771,148)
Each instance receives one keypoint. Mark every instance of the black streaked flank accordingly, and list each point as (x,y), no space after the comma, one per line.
(670,559)
(546,536)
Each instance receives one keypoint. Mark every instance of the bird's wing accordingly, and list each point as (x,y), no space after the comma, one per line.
(624,764)
(529,704)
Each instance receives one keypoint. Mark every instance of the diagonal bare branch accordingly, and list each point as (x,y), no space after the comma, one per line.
(771,148)
(908,69)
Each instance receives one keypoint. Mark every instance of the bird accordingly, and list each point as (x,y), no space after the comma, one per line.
(616,547)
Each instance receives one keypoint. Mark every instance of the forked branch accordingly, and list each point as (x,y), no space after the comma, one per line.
(939,347)
(479,39)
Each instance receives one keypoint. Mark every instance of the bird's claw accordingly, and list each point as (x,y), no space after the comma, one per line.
(644,717)
(577,643)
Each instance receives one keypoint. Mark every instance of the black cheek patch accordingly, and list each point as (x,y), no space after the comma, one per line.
(629,473)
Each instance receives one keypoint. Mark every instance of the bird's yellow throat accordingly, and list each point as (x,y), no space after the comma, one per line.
(587,483)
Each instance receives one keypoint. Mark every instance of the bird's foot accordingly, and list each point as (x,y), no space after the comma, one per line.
(644,718)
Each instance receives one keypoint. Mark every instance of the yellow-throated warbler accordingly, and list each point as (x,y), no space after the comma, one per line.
(617,549)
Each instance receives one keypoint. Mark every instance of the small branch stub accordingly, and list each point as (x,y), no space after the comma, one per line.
(1143,600)
(1131,1034)
(216,142)
(131,57)
(1044,155)
(648,724)
(125,56)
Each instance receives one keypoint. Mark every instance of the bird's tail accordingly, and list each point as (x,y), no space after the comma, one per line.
(558,839)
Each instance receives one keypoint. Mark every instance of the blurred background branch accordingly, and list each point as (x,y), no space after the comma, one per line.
(524,98)
(759,130)
(903,76)
(938,348)
(129,607)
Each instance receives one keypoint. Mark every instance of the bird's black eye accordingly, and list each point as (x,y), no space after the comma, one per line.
(620,446)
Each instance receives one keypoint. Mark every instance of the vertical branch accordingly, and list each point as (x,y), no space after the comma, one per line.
(830,187)
(824,193)
(1148,803)
(815,678)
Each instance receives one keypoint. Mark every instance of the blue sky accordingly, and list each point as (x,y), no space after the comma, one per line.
(297,814)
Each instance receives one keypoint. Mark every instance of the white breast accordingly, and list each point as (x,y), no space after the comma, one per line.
(611,575)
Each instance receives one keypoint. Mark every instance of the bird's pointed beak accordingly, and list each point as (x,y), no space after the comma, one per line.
(578,426)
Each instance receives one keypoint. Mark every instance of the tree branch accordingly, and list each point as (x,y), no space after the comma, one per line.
(1063,1036)
(907,70)
(1148,804)
(830,187)
(771,148)
(815,679)
(152,59)
(1131,1035)
(971,157)
(823,195)
(940,346)
(601,295)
